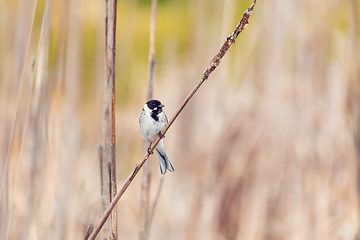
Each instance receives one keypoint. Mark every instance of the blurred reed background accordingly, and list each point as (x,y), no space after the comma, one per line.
(267,149)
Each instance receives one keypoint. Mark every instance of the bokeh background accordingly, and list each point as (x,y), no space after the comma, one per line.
(267,149)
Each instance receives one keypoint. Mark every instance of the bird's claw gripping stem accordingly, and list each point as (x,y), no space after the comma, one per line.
(161,135)
(149,150)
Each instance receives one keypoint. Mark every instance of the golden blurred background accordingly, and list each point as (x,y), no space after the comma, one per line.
(268,148)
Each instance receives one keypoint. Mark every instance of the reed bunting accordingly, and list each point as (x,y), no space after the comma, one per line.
(152,121)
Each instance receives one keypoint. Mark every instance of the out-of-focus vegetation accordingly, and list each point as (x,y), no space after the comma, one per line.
(267,149)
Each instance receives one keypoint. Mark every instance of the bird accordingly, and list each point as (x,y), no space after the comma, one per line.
(152,121)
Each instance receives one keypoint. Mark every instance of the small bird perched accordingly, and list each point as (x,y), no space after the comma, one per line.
(152,121)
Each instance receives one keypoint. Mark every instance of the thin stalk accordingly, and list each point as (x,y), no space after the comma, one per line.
(154,206)
(146,180)
(213,64)
(109,141)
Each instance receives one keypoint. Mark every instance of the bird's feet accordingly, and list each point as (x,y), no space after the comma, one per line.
(149,150)
(161,135)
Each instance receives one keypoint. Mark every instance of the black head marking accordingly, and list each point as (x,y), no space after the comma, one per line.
(156,108)
(152,104)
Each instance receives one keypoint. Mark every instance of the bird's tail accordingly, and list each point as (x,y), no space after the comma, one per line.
(163,159)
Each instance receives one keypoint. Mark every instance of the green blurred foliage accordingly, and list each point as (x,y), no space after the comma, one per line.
(172,26)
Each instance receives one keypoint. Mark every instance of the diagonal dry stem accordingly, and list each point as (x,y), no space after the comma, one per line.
(213,64)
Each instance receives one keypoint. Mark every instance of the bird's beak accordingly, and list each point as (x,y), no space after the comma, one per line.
(161,105)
